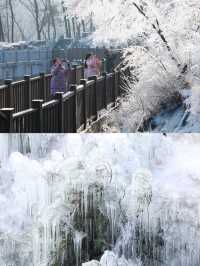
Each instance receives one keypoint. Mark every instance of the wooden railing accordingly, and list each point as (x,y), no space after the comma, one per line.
(19,94)
(28,109)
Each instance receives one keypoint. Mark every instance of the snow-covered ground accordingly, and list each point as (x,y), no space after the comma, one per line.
(180,117)
(23,44)
(150,196)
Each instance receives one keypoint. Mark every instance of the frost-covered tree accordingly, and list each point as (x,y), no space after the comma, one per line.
(11,28)
(44,18)
(44,15)
(163,46)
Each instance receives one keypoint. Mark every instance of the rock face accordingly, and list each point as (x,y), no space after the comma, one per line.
(92,263)
(91,232)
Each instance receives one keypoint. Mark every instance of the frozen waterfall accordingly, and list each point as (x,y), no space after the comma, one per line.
(129,200)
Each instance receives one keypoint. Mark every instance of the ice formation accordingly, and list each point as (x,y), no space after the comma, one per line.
(135,198)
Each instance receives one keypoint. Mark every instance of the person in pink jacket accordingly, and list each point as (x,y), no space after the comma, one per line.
(92,66)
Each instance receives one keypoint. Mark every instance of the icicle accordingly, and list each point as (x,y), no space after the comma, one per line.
(78,238)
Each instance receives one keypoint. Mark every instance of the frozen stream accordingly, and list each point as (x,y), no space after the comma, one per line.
(124,200)
(177,120)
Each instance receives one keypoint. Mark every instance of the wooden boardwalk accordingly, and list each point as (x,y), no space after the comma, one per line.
(27,107)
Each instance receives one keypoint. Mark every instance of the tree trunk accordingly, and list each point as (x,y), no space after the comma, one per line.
(2,36)
(156,27)
(7,23)
(12,20)
(37,20)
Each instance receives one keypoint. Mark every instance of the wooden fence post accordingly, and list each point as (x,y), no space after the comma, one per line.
(103,61)
(59,97)
(75,69)
(95,91)
(82,70)
(9,94)
(8,115)
(37,104)
(74,89)
(43,94)
(85,101)
(105,89)
(27,79)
